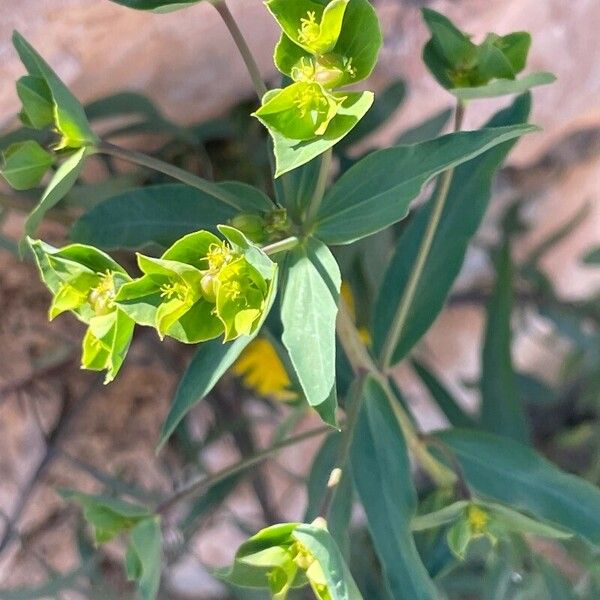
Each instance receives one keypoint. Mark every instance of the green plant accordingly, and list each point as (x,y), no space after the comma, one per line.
(258,261)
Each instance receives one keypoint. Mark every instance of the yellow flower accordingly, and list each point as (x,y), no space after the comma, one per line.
(262,371)
(478,519)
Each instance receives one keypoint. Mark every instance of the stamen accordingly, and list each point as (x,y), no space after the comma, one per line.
(309,28)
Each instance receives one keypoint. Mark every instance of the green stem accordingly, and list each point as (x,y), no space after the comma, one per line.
(354,402)
(208,187)
(401,316)
(281,246)
(240,42)
(362,363)
(202,484)
(317,197)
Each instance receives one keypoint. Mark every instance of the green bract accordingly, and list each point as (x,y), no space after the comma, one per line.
(85,281)
(458,64)
(25,164)
(48,102)
(292,555)
(472,520)
(201,287)
(324,46)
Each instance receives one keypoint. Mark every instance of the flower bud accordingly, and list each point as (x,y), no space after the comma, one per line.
(207,285)
(253,226)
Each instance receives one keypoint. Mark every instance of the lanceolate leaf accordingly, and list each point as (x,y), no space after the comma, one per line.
(159,214)
(144,557)
(501,469)
(503,87)
(208,365)
(502,409)
(382,477)
(467,202)
(308,314)
(60,185)
(378,190)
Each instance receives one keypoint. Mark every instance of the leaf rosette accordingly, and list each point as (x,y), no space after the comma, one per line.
(202,287)
(85,282)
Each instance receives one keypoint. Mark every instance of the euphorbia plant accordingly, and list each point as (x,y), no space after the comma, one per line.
(259,262)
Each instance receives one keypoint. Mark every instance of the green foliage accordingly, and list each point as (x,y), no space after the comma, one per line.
(111,517)
(43,93)
(311,289)
(152,215)
(472,71)
(208,276)
(25,164)
(323,46)
(293,555)
(377,192)
(508,472)
(471,184)
(60,185)
(85,281)
(202,287)
(502,409)
(381,470)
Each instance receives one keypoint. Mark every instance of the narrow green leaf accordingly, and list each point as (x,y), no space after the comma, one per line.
(209,364)
(426,130)
(382,476)
(503,470)
(159,214)
(466,204)
(503,87)
(502,410)
(25,164)
(378,190)
(308,314)
(62,182)
(145,543)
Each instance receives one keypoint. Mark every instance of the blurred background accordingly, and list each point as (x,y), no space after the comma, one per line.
(61,427)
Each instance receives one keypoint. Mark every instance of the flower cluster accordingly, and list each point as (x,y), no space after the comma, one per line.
(85,282)
(46,104)
(287,556)
(323,46)
(200,288)
(456,62)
